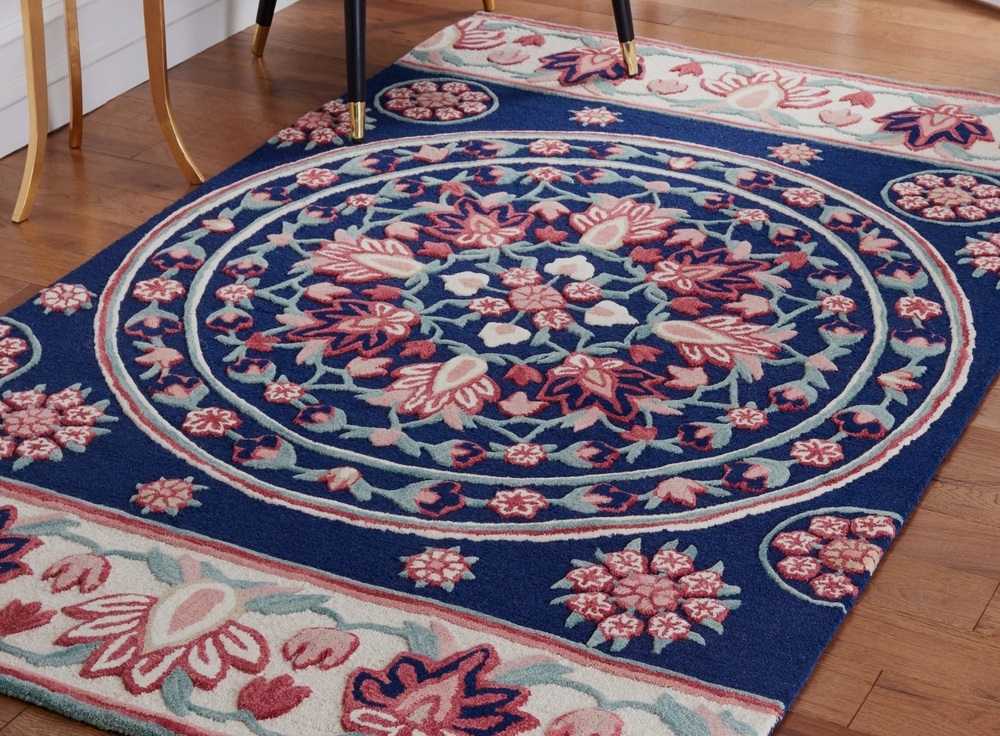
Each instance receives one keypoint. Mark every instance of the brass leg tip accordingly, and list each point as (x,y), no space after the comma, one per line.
(357,110)
(631,59)
(489,5)
(259,40)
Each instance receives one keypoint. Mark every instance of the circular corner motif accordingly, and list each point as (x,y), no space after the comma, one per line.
(534,335)
(826,556)
(947,197)
(437,101)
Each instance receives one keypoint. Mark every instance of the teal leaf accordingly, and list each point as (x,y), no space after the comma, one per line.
(282,603)
(542,673)
(165,568)
(682,721)
(421,640)
(176,692)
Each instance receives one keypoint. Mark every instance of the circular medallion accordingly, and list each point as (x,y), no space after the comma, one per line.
(535,335)
(437,101)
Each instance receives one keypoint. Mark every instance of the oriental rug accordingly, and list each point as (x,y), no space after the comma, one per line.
(567,404)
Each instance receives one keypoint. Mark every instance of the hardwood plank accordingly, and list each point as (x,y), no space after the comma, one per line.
(9,708)
(956,544)
(925,589)
(836,690)
(35,721)
(799,725)
(989,623)
(907,706)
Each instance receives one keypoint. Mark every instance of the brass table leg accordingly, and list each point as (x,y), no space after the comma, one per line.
(156,53)
(38,105)
(489,5)
(265,14)
(75,76)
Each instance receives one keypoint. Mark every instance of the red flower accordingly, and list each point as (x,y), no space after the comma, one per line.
(474,225)
(523,374)
(16,617)
(321,647)
(86,572)
(271,698)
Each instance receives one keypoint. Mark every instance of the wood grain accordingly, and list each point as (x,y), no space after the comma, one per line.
(920,654)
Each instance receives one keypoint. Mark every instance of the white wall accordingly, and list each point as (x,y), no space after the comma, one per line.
(112,49)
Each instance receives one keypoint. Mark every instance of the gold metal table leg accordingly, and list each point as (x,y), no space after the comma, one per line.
(38,105)
(75,76)
(489,5)
(156,53)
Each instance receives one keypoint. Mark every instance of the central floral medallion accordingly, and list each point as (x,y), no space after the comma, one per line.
(531,330)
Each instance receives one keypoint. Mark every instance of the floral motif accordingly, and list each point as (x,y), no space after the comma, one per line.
(946,197)
(416,694)
(141,638)
(628,594)
(85,572)
(835,556)
(437,101)
(39,426)
(438,568)
(586,63)
(472,224)
(765,90)
(320,647)
(596,116)
(517,503)
(18,616)
(983,254)
(614,223)
(65,298)
(712,274)
(13,546)
(355,261)
(924,127)
(271,698)
(167,496)
(795,153)
(352,325)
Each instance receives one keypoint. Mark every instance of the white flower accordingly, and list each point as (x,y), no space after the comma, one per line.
(465,283)
(577,268)
(495,334)
(606,313)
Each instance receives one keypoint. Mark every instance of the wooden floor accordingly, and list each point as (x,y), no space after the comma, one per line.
(920,655)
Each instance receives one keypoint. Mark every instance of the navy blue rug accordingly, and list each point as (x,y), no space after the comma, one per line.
(567,404)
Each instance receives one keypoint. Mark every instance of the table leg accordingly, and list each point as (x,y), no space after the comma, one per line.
(265,14)
(354,24)
(38,105)
(75,75)
(489,5)
(626,34)
(156,54)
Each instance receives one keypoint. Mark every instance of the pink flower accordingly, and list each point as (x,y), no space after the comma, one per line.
(219,225)
(517,503)
(166,495)
(591,579)
(515,277)
(340,479)
(829,527)
(204,639)
(817,453)
(472,224)
(747,417)
(799,568)
(833,586)
(549,147)
(271,698)
(600,116)
(794,153)
(751,216)
(361,260)
(621,626)
(586,722)
(803,197)
(536,298)
(613,223)
(85,572)
(795,543)
(316,178)
(17,616)
(210,422)
(765,90)
(284,392)
(873,526)
(320,647)
(385,437)
(916,307)
(850,555)
(837,303)
(437,567)
(898,380)
(525,454)
(65,298)
(158,289)
(679,490)
(459,385)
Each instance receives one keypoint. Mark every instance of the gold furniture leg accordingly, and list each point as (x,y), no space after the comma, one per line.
(38,105)
(75,76)
(156,53)
(489,5)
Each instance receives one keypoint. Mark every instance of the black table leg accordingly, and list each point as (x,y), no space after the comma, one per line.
(354,22)
(265,13)
(626,34)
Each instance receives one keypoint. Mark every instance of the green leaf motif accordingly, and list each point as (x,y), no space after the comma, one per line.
(165,568)
(421,640)
(282,603)
(176,692)
(542,673)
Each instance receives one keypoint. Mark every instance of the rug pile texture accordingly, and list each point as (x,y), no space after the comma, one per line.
(568,404)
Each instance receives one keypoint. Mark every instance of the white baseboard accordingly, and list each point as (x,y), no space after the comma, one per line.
(113,52)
